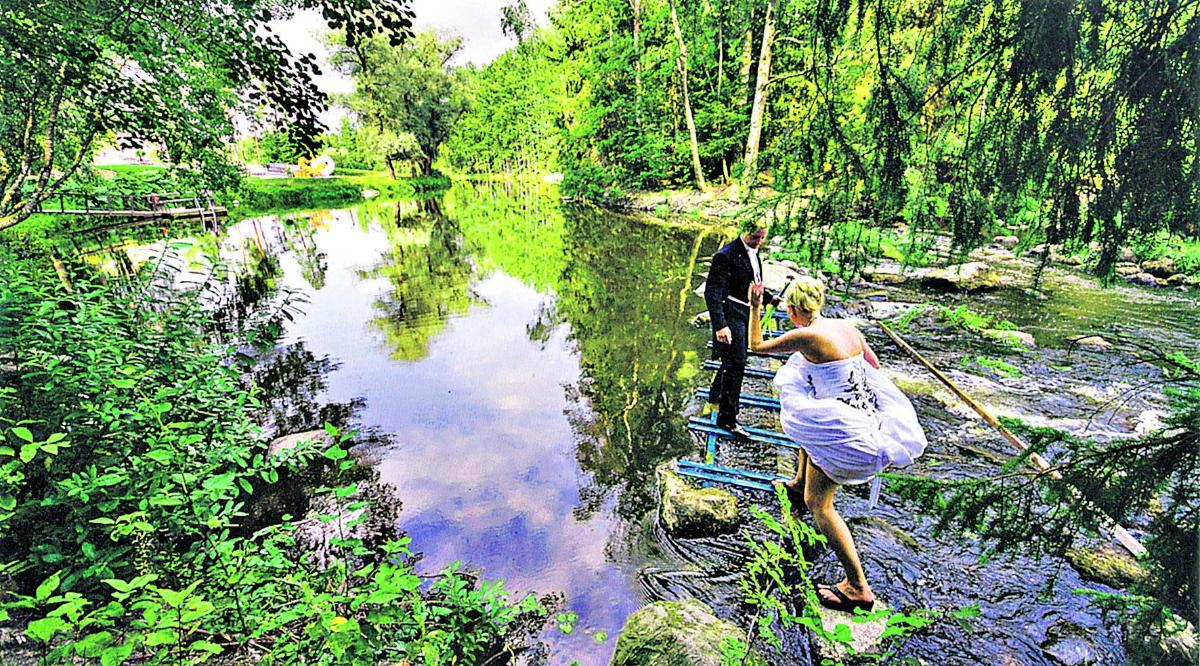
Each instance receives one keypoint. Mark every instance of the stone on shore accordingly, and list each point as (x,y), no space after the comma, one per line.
(1175,642)
(972,277)
(1094,341)
(776,276)
(675,633)
(885,274)
(690,512)
(1162,268)
(1009,337)
(1106,565)
(1143,279)
(1007,242)
(289,442)
(866,636)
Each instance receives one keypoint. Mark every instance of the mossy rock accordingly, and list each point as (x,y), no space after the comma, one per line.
(971,277)
(879,525)
(675,633)
(1106,565)
(690,512)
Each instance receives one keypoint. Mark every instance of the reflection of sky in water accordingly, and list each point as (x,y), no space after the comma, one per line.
(484,456)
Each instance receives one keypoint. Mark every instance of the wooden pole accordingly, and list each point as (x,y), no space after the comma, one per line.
(1122,535)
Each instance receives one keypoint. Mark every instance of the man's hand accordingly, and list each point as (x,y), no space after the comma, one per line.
(725,336)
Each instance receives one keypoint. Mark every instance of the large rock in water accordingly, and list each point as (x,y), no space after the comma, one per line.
(1106,565)
(674,633)
(289,442)
(687,511)
(866,636)
(1068,644)
(973,276)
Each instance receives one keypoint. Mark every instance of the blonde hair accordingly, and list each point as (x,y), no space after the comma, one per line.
(806,294)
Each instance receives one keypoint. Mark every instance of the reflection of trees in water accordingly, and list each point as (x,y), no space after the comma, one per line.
(623,287)
(516,228)
(297,235)
(621,293)
(292,382)
(429,276)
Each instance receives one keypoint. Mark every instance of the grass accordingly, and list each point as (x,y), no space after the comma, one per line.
(131,169)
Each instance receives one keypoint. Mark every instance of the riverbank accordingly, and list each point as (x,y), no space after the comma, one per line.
(1161,261)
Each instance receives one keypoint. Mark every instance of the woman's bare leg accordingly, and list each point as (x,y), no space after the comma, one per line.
(795,487)
(818,495)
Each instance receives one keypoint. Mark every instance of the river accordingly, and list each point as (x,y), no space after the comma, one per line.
(518,367)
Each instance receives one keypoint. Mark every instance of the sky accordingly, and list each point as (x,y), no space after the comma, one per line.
(476,21)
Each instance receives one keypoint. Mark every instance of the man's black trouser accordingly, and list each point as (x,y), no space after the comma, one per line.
(727,385)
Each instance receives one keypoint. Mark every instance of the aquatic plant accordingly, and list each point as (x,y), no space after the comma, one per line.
(999,366)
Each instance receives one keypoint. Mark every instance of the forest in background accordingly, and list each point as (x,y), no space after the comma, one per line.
(1064,123)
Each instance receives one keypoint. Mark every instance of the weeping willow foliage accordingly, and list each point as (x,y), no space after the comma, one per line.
(1072,123)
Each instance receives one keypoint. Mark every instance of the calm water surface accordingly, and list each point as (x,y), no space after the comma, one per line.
(520,372)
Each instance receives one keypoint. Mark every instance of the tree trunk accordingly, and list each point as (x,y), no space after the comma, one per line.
(687,105)
(637,57)
(747,57)
(391,167)
(760,95)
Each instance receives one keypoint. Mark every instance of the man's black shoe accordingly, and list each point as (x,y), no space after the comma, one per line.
(739,433)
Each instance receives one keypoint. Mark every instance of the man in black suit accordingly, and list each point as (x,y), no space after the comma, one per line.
(734,268)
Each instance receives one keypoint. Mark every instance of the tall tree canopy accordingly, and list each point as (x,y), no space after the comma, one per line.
(73,72)
(410,92)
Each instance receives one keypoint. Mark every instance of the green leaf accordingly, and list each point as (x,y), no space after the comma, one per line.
(124,383)
(566,622)
(336,452)
(47,587)
(93,645)
(159,455)
(23,433)
(117,654)
(42,630)
(221,482)
(28,451)
(205,646)
(162,637)
(8,502)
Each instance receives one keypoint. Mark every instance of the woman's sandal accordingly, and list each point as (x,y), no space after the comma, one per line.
(844,603)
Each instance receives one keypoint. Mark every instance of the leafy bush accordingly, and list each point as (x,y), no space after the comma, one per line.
(129,471)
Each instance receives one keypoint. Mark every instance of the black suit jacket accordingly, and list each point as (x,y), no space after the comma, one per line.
(730,275)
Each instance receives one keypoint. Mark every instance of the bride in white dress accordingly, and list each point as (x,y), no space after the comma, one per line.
(850,421)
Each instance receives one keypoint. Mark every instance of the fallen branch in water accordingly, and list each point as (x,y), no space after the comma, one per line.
(1122,535)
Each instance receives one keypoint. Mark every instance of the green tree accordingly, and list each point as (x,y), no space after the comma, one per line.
(77,71)
(405,91)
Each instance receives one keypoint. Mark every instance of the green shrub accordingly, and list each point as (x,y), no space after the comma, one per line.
(129,471)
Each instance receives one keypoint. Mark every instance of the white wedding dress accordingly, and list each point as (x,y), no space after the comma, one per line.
(850,418)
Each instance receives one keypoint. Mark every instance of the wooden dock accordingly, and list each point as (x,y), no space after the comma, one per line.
(136,210)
